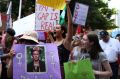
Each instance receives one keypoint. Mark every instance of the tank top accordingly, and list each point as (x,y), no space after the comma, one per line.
(63,54)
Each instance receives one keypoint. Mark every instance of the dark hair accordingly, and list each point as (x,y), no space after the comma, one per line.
(103,33)
(11,31)
(32,50)
(96,48)
(64,28)
(117,35)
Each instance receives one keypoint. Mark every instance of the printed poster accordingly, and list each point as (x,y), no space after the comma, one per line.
(36,62)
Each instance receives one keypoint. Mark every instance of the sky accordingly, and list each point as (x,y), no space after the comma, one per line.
(114,4)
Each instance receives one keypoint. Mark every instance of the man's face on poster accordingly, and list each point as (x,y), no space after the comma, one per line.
(35,55)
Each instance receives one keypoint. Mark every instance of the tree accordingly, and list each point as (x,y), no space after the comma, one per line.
(28,7)
(3,6)
(99,15)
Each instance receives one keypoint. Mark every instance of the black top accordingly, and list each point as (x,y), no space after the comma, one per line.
(31,68)
(63,54)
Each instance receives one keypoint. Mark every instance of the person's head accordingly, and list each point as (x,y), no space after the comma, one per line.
(90,43)
(11,31)
(104,35)
(60,30)
(29,37)
(35,53)
(118,37)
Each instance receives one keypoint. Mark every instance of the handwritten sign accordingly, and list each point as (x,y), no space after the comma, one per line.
(46,18)
(50,62)
(80,14)
(56,4)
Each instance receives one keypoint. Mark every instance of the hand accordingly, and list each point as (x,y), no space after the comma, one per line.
(11,54)
(67,1)
(73,61)
(95,72)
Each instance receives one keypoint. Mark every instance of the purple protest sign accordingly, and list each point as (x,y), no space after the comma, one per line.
(49,68)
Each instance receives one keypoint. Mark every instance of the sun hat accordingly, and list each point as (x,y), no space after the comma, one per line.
(30,35)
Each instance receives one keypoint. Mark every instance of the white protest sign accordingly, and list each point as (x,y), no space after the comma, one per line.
(80,14)
(46,18)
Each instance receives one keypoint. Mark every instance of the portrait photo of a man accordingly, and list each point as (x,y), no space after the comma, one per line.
(35,64)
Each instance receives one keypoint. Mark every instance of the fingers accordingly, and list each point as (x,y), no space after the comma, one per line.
(11,53)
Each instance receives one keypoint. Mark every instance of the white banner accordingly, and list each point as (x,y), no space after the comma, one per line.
(46,18)
(80,14)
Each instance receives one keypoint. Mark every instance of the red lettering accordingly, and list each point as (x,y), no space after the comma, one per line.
(54,16)
(44,16)
(43,8)
(75,15)
(47,25)
(77,6)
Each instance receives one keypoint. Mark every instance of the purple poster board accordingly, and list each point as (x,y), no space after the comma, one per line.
(50,58)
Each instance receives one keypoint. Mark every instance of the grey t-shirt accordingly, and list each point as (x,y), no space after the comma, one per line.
(97,63)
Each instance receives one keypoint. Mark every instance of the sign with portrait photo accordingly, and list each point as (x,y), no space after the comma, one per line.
(36,62)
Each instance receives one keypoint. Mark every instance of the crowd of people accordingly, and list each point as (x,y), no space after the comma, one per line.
(103,51)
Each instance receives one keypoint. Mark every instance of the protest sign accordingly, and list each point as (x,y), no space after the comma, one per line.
(25,55)
(45,17)
(56,4)
(80,14)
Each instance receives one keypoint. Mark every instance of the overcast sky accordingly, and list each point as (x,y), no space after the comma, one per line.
(114,4)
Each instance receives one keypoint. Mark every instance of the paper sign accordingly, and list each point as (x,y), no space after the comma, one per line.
(46,18)
(80,14)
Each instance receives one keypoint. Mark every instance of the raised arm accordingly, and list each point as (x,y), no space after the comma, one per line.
(68,39)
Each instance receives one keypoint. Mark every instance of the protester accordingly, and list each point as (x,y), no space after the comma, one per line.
(63,40)
(111,48)
(1,52)
(118,37)
(28,38)
(36,65)
(6,42)
(90,48)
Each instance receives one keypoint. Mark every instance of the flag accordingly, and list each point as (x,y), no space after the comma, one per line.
(62,17)
(9,19)
(0,20)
